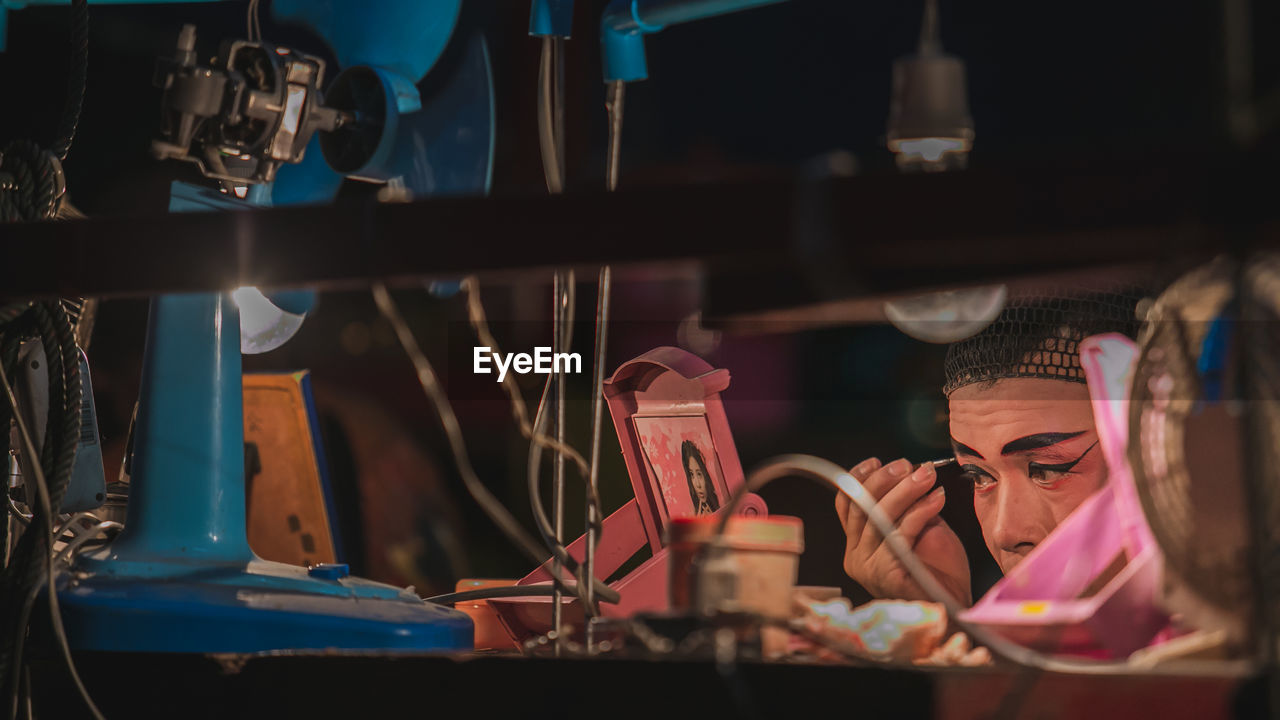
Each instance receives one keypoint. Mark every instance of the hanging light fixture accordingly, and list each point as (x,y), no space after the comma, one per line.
(947,316)
(929,124)
(267,322)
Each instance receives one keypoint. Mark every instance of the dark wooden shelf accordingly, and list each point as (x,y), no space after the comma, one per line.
(784,244)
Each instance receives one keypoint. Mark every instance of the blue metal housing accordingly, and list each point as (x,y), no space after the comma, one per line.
(404,37)
(626,22)
(551,18)
(438,143)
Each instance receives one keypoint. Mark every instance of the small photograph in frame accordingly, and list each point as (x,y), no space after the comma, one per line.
(682,458)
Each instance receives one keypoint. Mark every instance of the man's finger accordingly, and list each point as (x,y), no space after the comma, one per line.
(882,480)
(915,520)
(901,498)
(854,519)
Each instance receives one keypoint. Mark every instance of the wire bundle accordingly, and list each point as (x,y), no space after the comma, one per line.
(30,182)
(32,186)
(492,507)
(46,470)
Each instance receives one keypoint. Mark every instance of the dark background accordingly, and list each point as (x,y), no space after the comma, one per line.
(759,94)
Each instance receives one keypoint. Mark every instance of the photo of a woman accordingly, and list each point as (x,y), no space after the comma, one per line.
(683,462)
(700,489)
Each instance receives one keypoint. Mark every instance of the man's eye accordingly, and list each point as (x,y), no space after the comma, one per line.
(980,478)
(1048,473)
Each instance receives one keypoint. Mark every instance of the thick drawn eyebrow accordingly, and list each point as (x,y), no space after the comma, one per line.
(962,449)
(1022,444)
(1037,441)
(1066,466)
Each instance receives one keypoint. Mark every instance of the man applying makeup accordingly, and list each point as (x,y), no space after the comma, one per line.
(1022,430)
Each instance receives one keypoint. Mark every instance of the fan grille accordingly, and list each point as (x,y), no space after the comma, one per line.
(1187,443)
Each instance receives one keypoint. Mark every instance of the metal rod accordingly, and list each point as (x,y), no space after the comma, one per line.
(614,106)
(929,42)
(557,106)
(557,490)
(551,113)
(597,408)
(551,132)
(617,90)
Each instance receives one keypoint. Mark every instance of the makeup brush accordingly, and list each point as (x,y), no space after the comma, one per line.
(939,463)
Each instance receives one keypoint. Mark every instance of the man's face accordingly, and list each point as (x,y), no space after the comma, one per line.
(1030,448)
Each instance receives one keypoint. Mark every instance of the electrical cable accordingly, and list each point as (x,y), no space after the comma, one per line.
(614,107)
(562,307)
(538,438)
(67,524)
(551,112)
(929,40)
(254,21)
(453,431)
(32,183)
(68,553)
(46,514)
(28,561)
(519,410)
(494,592)
(29,558)
(560,553)
(827,471)
(597,410)
(431,385)
(16,512)
(551,146)
(78,80)
(557,114)
(617,89)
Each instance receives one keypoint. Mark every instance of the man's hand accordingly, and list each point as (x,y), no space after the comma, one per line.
(905,497)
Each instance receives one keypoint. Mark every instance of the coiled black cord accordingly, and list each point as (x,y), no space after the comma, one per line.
(27,568)
(78,79)
(31,179)
(32,186)
(30,182)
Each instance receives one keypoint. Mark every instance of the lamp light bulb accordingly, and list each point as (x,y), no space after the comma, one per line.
(947,316)
(931,153)
(263,326)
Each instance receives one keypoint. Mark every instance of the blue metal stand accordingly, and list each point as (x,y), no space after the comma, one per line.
(181,576)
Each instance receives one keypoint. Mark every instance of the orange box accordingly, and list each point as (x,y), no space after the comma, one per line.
(490,633)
